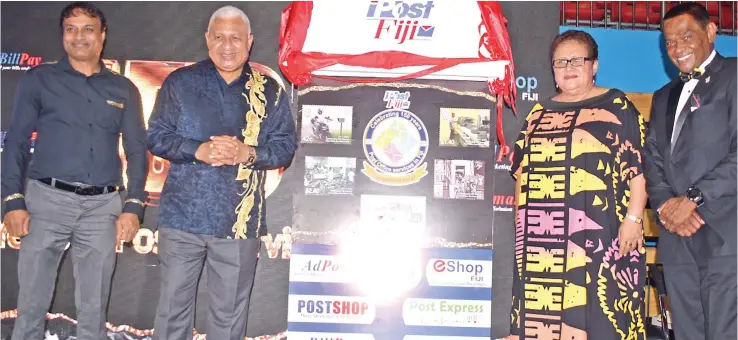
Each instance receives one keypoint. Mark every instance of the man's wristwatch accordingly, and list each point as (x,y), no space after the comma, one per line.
(251,157)
(695,195)
(635,219)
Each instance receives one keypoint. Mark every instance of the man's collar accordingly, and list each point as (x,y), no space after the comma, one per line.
(245,73)
(708,60)
(64,65)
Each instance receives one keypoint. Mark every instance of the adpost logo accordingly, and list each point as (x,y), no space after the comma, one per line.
(18,61)
(318,268)
(330,309)
(402,20)
(459,273)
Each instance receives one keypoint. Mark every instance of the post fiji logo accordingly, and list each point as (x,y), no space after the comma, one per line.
(18,61)
(331,309)
(402,21)
(447,313)
(459,273)
(395,144)
(318,268)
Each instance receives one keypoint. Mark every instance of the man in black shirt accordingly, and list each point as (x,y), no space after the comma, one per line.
(79,109)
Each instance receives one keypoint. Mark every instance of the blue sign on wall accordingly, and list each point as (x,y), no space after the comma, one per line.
(636,60)
(435,293)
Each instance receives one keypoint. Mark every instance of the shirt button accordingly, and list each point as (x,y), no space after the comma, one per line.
(90,149)
(88,175)
(90,125)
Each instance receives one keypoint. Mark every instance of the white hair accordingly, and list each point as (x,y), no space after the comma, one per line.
(230,12)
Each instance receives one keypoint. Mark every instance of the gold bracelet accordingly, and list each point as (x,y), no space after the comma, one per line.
(13,197)
(635,219)
(136,201)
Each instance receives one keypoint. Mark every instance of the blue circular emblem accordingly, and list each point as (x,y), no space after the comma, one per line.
(395,142)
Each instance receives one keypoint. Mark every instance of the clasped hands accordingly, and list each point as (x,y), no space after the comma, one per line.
(223,150)
(679,215)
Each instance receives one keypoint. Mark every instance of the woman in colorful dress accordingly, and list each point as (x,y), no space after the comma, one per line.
(580,262)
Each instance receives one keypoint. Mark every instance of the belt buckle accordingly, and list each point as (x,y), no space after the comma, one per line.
(85,191)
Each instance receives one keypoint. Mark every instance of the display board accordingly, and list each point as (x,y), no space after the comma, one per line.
(168,34)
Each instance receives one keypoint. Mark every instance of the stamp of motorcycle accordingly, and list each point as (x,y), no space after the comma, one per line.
(326,124)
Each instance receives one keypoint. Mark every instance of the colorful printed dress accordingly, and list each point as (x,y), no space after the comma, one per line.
(570,280)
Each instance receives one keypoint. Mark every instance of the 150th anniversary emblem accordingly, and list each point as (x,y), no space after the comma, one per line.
(395,144)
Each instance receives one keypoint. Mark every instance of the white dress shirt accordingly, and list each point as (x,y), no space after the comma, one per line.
(687,91)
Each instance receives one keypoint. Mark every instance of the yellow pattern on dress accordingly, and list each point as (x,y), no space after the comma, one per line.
(252,179)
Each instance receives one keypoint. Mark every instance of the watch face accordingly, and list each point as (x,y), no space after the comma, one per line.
(693,194)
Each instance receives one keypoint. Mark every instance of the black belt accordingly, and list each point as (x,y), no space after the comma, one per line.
(79,189)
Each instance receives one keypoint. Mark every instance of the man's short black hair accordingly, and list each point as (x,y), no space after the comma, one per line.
(88,9)
(695,10)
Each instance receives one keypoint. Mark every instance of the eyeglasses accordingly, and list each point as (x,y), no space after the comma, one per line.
(576,62)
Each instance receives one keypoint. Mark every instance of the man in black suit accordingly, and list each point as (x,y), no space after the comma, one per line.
(691,174)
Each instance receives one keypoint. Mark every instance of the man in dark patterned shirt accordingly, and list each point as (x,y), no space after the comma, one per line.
(221,124)
(79,109)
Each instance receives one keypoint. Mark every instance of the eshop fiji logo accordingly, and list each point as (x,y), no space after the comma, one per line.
(459,273)
(318,268)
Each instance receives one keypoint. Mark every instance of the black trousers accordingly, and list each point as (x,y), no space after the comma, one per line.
(702,293)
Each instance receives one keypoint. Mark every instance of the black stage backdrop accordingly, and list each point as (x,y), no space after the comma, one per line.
(174,31)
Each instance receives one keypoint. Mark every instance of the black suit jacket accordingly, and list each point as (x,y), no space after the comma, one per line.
(704,155)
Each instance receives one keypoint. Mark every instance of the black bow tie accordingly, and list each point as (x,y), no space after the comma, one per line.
(696,74)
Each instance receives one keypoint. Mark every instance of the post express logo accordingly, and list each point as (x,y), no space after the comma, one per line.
(317,268)
(18,61)
(402,20)
(330,309)
(447,313)
(459,273)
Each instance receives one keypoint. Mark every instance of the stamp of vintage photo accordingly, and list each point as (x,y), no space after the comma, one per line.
(329,175)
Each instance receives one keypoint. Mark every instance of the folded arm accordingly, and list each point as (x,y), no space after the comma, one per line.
(134,146)
(720,181)
(281,141)
(17,150)
(659,190)
(163,139)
